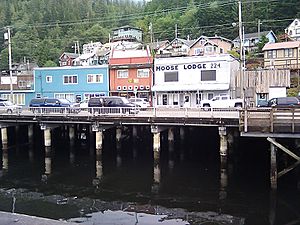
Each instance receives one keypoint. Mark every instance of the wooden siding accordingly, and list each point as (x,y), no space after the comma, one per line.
(281,61)
(261,80)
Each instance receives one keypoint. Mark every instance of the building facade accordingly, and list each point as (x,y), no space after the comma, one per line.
(19,85)
(127,33)
(72,83)
(282,55)
(210,46)
(131,73)
(185,81)
(293,30)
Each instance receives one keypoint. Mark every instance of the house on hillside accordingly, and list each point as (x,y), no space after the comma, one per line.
(282,55)
(66,59)
(210,46)
(91,47)
(158,46)
(185,81)
(127,33)
(251,40)
(72,83)
(293,30)
(22,82)
(87,59)
(177,47)
(131,73)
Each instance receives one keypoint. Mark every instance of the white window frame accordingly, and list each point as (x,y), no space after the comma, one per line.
(209,49)
(288,52)
(271,54)
(69,96)
(48,79)
(142,73)
(94,78)
(18,99)
(122,73)
(70,79)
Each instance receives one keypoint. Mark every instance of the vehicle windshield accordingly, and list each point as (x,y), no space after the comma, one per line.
(64,101)
(125,100)
(8,103)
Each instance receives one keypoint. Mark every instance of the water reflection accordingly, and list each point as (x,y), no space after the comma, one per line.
(48,165)
(135,181)
(4,158)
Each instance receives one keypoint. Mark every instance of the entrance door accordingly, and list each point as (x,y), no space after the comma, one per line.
(187,101)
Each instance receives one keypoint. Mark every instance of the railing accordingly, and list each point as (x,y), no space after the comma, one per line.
(270,120)
(170,112)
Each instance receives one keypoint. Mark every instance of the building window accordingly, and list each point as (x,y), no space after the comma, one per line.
(122,74)
(171,76)
(297,31)
(68,96)
(48,79)
(18,99)
(70,79)
(95,78)
(198,51)
(210,96)
(209,49)
(221,50)
(143,73)
(22,83)
(208,75)
(165,99)
(91,95)
(272,54)
(288,53)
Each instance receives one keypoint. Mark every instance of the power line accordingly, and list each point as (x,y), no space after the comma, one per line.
(134,16)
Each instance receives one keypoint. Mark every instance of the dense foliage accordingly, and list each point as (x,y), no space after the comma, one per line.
(43,29)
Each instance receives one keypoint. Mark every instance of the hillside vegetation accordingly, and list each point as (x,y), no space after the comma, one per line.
(43,29)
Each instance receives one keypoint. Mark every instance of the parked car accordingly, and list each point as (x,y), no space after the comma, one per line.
(51,102)
(142,102)
(112,102)
(283,102)
(9,107)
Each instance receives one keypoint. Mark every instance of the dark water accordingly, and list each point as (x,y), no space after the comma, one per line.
(188,185)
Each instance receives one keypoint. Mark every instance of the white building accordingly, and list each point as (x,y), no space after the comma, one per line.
(185,81)
(293,30)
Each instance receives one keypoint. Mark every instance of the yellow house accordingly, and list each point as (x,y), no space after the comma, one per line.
(282,55)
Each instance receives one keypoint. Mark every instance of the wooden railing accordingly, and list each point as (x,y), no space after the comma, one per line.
(270,120)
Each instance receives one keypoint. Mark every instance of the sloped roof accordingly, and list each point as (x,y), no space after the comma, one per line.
(208,40)
(70,55)
(281,45)
(255,35)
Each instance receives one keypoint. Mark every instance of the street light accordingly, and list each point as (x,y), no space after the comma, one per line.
(7,37)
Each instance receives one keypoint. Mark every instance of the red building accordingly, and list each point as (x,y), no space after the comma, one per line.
(131,73)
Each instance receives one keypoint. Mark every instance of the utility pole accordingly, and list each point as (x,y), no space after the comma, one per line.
(78,49)
(241,52)
(151,32)
(7,37)
(258,28)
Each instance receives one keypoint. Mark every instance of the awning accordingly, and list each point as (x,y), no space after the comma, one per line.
(190,87)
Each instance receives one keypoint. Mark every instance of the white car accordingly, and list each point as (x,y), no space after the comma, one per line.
(9,107)
(142,102)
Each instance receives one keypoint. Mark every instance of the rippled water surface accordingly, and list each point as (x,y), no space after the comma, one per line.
(188,184)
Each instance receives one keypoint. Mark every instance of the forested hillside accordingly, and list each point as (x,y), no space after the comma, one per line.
(43,29)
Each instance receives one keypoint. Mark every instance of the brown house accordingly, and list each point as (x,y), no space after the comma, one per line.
(66,59)
(282,55)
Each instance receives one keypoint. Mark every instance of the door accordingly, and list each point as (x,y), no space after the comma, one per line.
(187,101)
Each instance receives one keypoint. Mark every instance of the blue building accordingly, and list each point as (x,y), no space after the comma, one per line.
(72,83)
